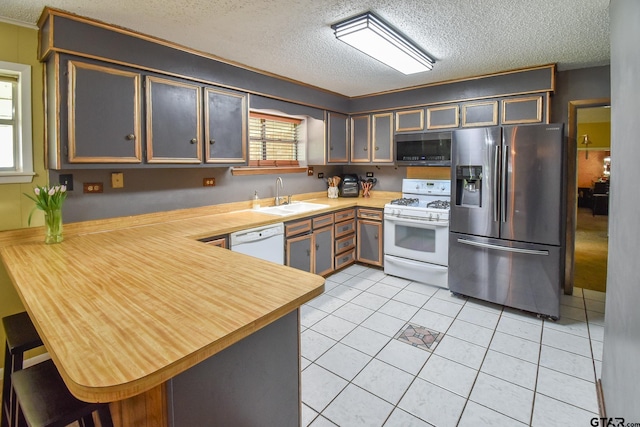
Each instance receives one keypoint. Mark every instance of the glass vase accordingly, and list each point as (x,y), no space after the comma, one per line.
(53,224)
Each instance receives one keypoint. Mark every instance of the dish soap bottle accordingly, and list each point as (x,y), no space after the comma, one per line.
(256,201)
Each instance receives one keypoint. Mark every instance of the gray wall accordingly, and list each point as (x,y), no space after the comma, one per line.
(620,367)
(573,85)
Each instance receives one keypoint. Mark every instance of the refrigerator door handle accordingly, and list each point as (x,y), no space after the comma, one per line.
(503,248)
(496,189)
(503,183)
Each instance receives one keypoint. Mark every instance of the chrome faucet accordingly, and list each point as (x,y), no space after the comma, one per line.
(278,181)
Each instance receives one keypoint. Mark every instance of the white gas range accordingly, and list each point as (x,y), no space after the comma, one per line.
(416,232)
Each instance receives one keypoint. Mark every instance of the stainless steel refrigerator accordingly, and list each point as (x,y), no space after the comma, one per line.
(506,240)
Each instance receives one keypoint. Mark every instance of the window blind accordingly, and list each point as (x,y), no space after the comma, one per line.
(273,140)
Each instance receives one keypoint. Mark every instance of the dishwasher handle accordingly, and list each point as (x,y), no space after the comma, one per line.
(256,234)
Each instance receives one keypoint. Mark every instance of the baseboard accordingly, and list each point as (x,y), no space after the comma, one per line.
(601,407)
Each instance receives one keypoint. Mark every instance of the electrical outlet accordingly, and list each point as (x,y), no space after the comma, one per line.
(320,175)
(310,171)
(67,180)
(117,180)
(92,187)
(369,174)
(208,182)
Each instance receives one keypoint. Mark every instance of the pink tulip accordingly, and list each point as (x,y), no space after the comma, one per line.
(37,191)
(52,191)
(63,188)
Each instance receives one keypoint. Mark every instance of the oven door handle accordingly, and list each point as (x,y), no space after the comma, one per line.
(405,220)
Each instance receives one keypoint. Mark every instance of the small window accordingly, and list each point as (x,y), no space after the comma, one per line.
(16,163)
(273,140)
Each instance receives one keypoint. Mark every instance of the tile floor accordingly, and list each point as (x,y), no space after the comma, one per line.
(383,351)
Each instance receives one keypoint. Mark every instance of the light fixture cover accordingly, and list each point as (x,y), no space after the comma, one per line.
(371,35)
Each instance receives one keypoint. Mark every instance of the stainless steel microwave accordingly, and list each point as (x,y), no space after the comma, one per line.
(423,149)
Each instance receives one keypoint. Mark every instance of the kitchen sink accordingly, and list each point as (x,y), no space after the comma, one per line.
(293,208)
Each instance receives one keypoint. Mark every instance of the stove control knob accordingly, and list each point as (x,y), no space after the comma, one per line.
(437,217)
(430,216)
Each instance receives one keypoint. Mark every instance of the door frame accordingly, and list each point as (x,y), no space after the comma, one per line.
(572,184)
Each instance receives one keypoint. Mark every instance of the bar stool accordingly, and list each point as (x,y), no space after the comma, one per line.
(43,400)
(21,336)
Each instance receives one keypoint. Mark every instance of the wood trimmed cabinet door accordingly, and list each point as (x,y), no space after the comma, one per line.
(338,138)
(361,139)
(225,130)
(104,119)
(174,121)
(369,237)
(382,138)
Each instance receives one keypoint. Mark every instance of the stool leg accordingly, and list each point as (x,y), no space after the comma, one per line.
(87,421)
(105,416)
(6,387)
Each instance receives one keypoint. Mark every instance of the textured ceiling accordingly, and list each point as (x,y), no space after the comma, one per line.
(293,38)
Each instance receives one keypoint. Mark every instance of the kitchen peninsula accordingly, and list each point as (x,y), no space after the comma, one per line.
(138,312)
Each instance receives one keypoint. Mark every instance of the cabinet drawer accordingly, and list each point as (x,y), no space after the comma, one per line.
(297,227)
(345,243)
(344,215)
(322,221)
(372,214)
(345,227)
(345,259)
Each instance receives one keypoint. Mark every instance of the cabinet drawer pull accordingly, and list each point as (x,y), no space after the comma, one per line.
(345,259)
(130,137)
(376,236)
(317,246)
(212,141)
(193,141)
(365,148)
(377,148)
(331,148)
(309,252)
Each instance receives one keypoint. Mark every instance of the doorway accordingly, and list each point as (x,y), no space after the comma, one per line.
(590,130)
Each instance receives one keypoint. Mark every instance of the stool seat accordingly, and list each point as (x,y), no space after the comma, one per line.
(21,334)
(45,401)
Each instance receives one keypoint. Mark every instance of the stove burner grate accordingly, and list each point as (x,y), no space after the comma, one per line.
(405,201)
(439,204)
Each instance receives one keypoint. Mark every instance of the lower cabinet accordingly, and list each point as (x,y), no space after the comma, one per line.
(345,233)
(309,244)
(369,236)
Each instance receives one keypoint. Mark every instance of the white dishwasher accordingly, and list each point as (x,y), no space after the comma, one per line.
(266,242)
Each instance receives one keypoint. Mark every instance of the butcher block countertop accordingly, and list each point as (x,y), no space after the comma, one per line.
(125,304)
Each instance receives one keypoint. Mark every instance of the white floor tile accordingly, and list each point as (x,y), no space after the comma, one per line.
(568,363)
(443,307)
(596,332)
(470,332)
(412,298)
(567,342)
(372,274)
(515,346)
(308,415)
(567,388)
(322,422)
(333,327)
(384,380)
(330,284)
(433,404)
(370,301)
(509,368)
(355,269)
(478,317)
(572,312)
(430,320)
(319,387)
(399,310)
(594,295)
(357,407)
(310,315)
(339,277)
(344,361)
(578,292)
(484,305)
(572,301)
(343,292)
(383,290)
(404,356)
(366,340)
(359,283)
(504,397)
(445,294)
(595,317)
(384,324)
(475,415)
(570,326)
(525,316)
(304,362)
(460,351)
(353,313)
(597,347)
(313,344)
(552,412)
(449,375)
(598,366)
(326,303)
(398,282)
(400,418)
(422,288)
(520,328)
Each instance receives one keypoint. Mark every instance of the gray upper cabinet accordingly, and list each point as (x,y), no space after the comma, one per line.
(444,117)
(410,120)
(174,121)
(382,138)
(104,124)
(480,114)
(522,110)
(225,126)
(338,138)
(360,139)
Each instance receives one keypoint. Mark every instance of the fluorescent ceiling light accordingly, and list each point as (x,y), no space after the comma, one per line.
(370,35)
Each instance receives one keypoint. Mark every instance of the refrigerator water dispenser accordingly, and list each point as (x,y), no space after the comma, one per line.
(469,186)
